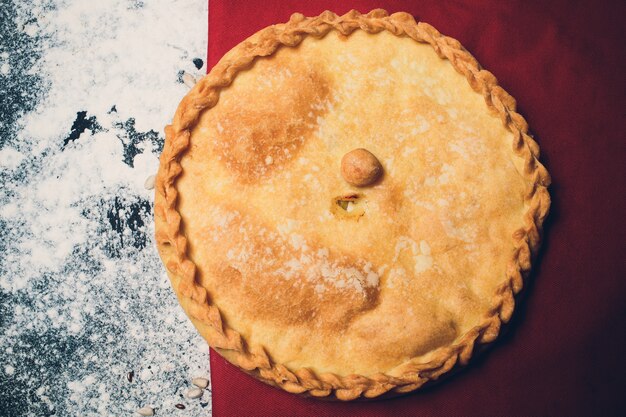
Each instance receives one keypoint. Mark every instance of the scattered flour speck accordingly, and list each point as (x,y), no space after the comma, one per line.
(9,370)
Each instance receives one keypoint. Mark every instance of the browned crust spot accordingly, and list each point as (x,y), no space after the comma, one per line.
(256,137)
(274,275)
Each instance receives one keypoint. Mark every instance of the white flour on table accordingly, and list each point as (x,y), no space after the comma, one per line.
(85,304)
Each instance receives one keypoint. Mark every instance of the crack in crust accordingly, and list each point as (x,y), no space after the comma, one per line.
(172,243)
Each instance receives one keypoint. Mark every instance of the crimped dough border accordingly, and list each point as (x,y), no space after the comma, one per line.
(172,243)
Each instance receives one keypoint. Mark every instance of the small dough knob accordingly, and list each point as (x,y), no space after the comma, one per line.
(360,167)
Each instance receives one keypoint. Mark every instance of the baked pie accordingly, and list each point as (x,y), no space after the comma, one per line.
(347,205)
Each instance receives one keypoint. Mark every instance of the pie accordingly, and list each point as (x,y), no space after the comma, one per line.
(347,205)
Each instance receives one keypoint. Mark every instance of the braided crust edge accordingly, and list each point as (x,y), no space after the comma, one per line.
(172,243)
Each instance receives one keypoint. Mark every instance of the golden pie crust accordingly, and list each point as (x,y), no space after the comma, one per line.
(320,287)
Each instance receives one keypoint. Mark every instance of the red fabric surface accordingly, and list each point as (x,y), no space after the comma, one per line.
(563,352)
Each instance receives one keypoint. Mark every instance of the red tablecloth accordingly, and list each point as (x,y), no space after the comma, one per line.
(563,355)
